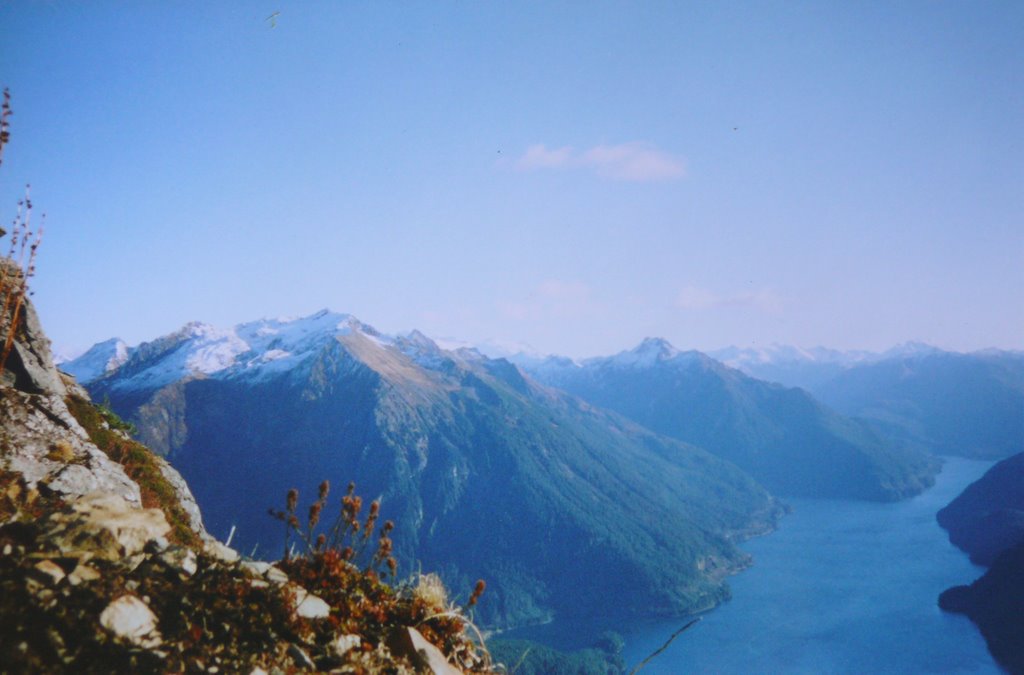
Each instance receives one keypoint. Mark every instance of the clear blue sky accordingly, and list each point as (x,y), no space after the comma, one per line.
(575,176)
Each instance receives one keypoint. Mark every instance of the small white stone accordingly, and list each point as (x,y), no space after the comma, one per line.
(276,576)
(221,552)
(83,573)
(256,566)
(51,570)
(130,618)
(308,606)
(344,643)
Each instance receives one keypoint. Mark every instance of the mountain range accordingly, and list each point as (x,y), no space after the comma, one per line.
(782,436)
(948,403)
(485,472)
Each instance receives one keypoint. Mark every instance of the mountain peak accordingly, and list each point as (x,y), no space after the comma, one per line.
(910,349)
(658,345)
(650,351)
(100,359)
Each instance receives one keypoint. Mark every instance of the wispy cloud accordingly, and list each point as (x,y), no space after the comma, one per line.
(694,298)
(640,162)
(541,157)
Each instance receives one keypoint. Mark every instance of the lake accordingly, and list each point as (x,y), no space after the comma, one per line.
(840,587)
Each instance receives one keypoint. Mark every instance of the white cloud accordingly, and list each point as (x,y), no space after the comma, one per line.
(694,298)
(633,161)
(641,162)
(540,157)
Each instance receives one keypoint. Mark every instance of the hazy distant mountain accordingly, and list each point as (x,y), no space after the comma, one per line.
(783,437)
(948,403)
(942,402)
(808,368)
(791,366)
(487,474)
(988,517)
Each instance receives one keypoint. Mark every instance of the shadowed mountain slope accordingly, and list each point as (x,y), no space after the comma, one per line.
(781,436)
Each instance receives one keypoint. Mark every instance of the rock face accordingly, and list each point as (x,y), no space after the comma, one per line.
(30,365)
(46,445)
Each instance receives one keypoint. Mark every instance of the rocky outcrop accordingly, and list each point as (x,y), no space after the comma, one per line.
(44,444)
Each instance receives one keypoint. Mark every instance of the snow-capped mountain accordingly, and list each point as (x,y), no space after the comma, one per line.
(252,350)
(102,358)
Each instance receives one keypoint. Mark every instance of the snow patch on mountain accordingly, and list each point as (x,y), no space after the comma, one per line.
(650,352)
(102,358)
(253,350)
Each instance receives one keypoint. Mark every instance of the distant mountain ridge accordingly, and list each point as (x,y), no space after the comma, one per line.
(782,436)
(485,471)
(970,405)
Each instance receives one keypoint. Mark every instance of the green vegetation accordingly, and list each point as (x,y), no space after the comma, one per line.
(523,657)
(108,432)
(784,438)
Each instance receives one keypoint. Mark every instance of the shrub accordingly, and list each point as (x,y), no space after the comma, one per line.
(345,566)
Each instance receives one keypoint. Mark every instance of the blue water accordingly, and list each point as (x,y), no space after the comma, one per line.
(841,587)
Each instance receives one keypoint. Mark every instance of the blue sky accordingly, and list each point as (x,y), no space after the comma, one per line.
(574,176)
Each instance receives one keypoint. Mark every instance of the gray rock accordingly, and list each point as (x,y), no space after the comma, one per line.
(32,430)
(105,526)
